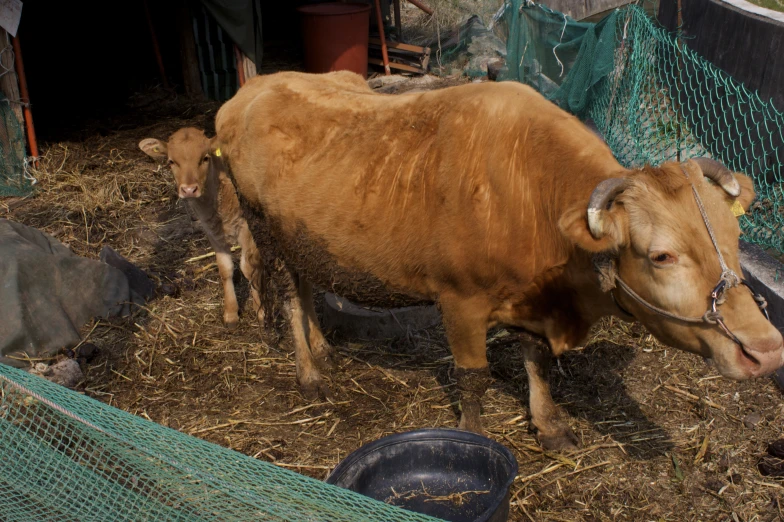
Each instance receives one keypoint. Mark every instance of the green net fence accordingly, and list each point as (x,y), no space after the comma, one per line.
(14,180)
(66,457)
(653,99)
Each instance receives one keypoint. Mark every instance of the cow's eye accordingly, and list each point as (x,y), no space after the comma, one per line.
(206,158)
(170,162)
(663,258)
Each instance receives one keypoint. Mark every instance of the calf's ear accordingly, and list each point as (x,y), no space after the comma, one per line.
(156,149)
(601,225)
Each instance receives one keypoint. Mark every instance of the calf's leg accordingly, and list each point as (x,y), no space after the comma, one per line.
(230,306)
(248,260)
(553,432)
(319,347)
(308,375)
(465,322)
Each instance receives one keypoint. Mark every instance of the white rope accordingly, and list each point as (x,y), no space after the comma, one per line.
(727,274)
(498,14)
(26,169)
(560,40)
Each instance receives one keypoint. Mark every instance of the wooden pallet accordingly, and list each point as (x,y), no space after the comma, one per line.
(403,57)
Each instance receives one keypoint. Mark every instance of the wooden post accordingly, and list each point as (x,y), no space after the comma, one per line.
(240,65)
(398,22)
(248,67)
(9,84)
(189,58)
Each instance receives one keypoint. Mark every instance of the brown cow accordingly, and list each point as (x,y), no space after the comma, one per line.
(497,205)
(203,185)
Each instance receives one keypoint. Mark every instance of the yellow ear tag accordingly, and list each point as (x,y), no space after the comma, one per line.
(217,152)
(737,209)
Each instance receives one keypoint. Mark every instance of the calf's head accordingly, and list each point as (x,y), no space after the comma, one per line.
(188,156)
(656,225)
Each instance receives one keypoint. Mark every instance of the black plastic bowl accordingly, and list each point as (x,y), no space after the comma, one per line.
(448,474)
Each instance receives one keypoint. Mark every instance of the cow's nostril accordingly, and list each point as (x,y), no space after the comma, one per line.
(189,191)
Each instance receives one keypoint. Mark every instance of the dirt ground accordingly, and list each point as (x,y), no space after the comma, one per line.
(664,437)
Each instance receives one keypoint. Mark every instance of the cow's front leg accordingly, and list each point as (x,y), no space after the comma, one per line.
(308,374)
(465,322)
(319,347)
(553,432)
(230,306)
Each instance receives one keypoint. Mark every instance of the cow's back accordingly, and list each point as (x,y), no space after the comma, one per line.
(458,187)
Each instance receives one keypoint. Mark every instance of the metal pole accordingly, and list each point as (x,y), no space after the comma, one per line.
(380,22)
(679,30)
(28,113)
(421,6)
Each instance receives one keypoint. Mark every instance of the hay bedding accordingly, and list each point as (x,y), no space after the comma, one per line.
(663,435)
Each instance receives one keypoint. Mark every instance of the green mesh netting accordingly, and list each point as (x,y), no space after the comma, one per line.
(66,457)
(13,181)
(653,99)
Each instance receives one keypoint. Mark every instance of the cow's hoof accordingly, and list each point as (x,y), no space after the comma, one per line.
(315,390)
(231,320)
(470,420)
(562,440)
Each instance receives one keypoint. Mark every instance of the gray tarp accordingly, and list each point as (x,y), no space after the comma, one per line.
(47,293)
(241,19)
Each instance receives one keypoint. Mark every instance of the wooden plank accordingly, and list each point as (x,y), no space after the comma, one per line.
(188,54)
(402,46)
(399,66)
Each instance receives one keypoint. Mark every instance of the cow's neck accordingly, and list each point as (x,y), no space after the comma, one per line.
(206,206)
(581,273)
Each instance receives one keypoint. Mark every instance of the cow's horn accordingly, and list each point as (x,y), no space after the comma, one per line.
(717,172)
(601,199)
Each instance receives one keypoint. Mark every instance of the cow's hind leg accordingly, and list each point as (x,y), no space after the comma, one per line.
(230,306)
(465,322)
(319,347)
(308,375)
(553,432)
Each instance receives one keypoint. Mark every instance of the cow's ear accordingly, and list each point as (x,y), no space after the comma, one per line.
(156,149)
(574,226)
(600,225)
(747,193)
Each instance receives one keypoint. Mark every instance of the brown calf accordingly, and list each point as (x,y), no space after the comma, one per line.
(203,185)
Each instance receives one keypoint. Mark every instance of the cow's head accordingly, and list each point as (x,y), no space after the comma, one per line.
(651,225)
(188,155)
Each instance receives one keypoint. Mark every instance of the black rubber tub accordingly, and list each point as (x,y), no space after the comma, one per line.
(448,474)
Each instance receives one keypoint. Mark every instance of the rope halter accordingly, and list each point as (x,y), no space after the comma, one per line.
(727,280)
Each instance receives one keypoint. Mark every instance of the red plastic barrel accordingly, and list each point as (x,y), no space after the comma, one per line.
(336,37)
